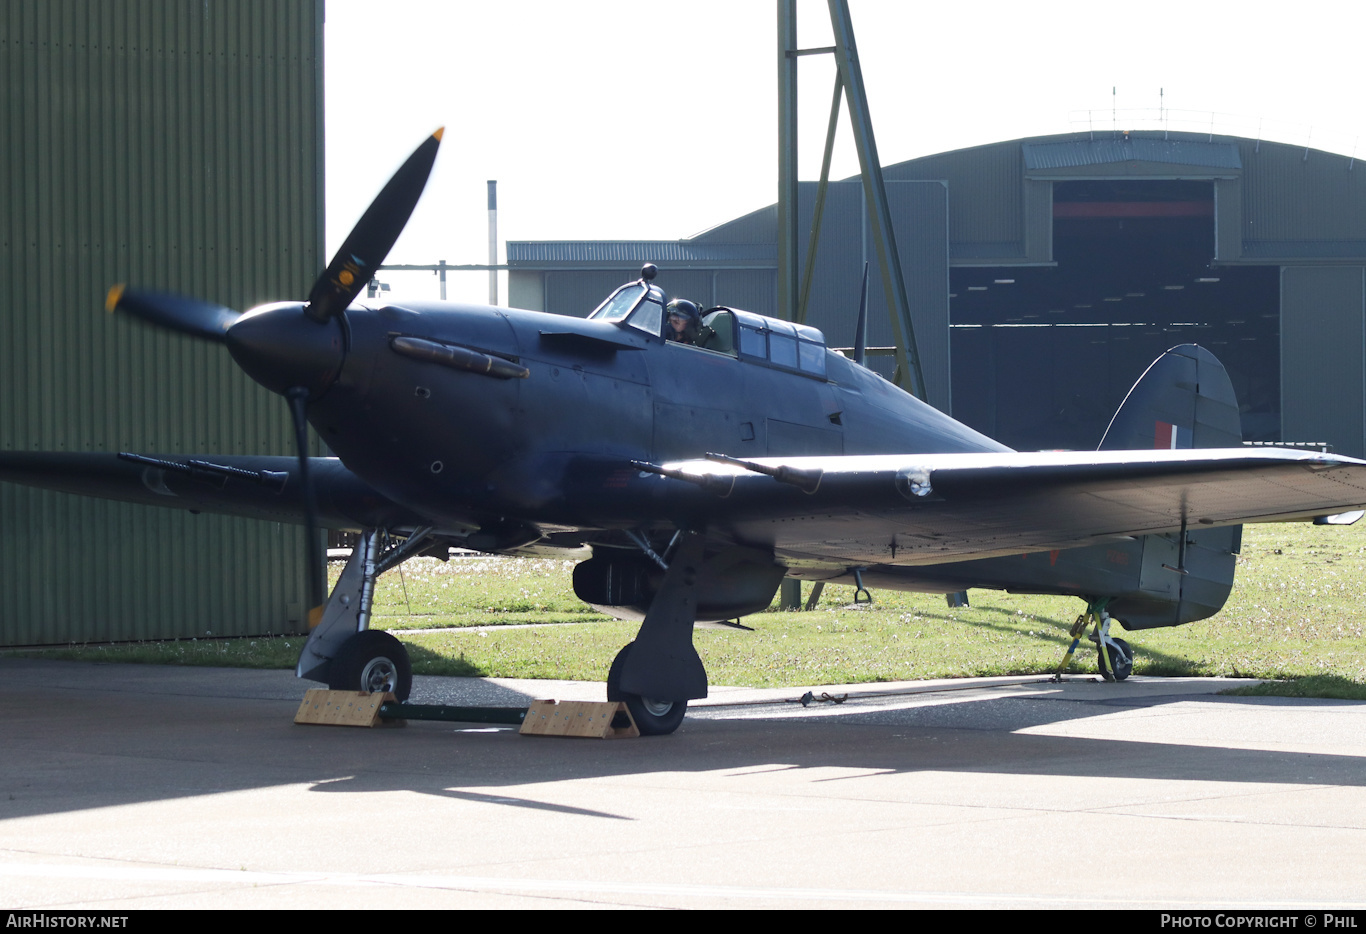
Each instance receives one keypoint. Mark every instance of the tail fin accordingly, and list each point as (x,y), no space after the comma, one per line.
(1184,400)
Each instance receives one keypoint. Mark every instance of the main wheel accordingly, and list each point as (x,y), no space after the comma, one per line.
(372,661)
(1122,661)
(653,717)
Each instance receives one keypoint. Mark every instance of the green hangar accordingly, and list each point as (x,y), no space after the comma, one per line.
(1046,273)
(177,146)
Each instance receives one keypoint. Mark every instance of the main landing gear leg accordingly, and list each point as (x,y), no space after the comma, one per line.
(342,650)
(1114,657)
(658,674)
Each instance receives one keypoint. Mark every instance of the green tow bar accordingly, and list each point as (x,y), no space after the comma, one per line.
(396,711)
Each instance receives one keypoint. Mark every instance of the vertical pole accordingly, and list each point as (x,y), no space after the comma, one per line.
(787,159)
(790,593)
(493,243)
(442,273)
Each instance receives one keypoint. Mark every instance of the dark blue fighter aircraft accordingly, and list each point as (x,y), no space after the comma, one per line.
(699,474)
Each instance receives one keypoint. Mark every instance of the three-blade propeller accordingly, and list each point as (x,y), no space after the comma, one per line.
(351,268)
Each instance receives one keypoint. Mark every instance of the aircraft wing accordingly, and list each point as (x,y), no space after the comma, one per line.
(928,509)
(257,487)
(830,510)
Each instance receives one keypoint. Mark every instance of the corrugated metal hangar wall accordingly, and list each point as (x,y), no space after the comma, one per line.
(1052,270)
(176,146)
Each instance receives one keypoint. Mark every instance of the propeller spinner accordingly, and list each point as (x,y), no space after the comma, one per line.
(293,348)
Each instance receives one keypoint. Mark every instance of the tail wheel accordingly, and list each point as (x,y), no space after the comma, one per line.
(372,661)
(1121,661)
(653,717)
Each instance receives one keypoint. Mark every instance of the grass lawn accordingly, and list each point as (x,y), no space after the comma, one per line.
(1296,612)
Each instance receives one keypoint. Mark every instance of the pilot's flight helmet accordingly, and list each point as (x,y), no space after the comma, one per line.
(681,306)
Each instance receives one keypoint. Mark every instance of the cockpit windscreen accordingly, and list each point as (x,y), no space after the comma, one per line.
(620,304)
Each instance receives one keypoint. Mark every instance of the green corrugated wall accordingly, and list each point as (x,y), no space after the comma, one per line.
(172,145)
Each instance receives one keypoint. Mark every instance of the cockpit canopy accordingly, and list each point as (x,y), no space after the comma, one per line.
(779,343)
(743,334)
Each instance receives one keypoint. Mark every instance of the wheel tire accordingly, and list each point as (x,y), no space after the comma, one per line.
(653,717)
(1123,665)
(372,661)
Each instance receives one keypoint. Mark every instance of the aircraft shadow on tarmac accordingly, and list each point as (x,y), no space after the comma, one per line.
(76,738)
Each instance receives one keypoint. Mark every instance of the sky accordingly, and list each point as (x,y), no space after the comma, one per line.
(657,119)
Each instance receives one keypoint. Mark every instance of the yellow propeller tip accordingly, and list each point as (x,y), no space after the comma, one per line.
(315,616)
(438,133)
(111,301)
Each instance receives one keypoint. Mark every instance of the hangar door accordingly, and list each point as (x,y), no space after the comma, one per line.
(1045,354)
(1323,349)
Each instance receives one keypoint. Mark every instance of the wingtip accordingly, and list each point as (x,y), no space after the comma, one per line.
(439,131)
(111,301)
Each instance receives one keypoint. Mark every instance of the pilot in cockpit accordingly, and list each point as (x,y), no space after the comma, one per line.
(684,322)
